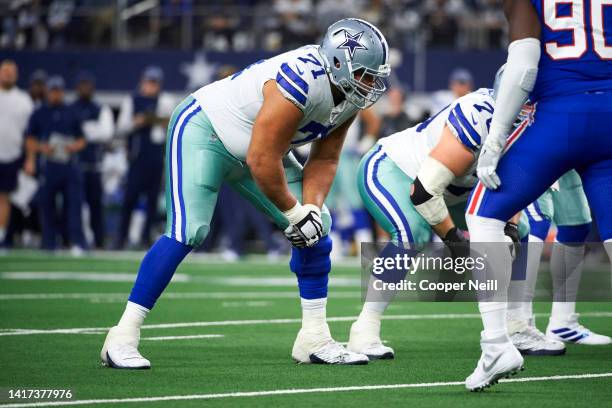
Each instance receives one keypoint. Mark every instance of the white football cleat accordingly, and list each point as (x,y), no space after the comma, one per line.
(120,349)
(530,341)
(499,359)
(571,331)
(320,348)
(366,340)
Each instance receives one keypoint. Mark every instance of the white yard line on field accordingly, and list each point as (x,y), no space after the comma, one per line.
(195,336)
(122,296)
(82,276)
(198,258)
(337,281)
(293,391)
(89,330)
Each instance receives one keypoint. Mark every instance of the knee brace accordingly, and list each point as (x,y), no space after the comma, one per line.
(312,266)
(573,234)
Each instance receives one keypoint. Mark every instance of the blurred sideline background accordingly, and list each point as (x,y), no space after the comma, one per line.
(123,65)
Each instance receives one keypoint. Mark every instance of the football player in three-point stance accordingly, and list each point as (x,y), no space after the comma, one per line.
(559,58)
(239,130)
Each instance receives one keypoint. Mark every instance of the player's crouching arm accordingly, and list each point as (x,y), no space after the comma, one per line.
(274,127)
(448,159)
(320,169)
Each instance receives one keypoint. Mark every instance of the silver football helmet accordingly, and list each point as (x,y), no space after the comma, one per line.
(356,58)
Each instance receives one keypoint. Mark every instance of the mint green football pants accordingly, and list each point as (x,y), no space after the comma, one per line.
(385,192)
(197,163)
(565,206)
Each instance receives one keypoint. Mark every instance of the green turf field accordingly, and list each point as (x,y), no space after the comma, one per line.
(244,317)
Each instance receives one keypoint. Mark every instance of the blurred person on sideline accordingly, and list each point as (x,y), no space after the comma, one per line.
(143,118)
(98,128)
(351,222)
(15,110)
(395,118)
(460,83)
(54,139)
(38,87)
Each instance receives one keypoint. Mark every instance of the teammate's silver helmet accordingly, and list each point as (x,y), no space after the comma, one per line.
(356,58)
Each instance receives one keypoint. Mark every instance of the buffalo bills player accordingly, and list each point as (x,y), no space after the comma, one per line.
(558,57)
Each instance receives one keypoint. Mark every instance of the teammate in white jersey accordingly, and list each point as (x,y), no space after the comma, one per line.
(240,130)
(417,182)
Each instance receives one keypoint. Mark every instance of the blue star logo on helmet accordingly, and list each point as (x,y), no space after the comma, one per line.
(352,42)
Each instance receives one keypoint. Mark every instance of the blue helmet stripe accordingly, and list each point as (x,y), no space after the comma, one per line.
(294,77)
(466,124)
(291,89)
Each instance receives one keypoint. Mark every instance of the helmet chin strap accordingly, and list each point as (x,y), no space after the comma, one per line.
(337,93)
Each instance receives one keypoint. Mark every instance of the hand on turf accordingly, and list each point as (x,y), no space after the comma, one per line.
(305,225)
(487,162)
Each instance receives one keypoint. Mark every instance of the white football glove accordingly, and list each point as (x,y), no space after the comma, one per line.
(294,237)
(305,225)
(490,154)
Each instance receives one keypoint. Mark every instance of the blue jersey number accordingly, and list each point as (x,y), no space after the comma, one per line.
(486,107)
(311,59)
(313,130)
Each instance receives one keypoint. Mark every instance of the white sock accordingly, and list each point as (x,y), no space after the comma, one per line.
(608,247)
(486,234)
(566,266)
(2,234)
(493,319)
(372,312)
(376,302)
(561,312)
(516,300)
(528,312)
(133,316)
(534,257)
(314,315)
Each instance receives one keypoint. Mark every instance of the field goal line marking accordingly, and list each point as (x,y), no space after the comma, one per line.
(95,330)
(293,391)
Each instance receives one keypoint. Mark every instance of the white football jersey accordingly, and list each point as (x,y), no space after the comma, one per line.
(468,118)
(232,103)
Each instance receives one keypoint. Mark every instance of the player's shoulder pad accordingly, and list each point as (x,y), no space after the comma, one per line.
(297,77)
(469,117)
